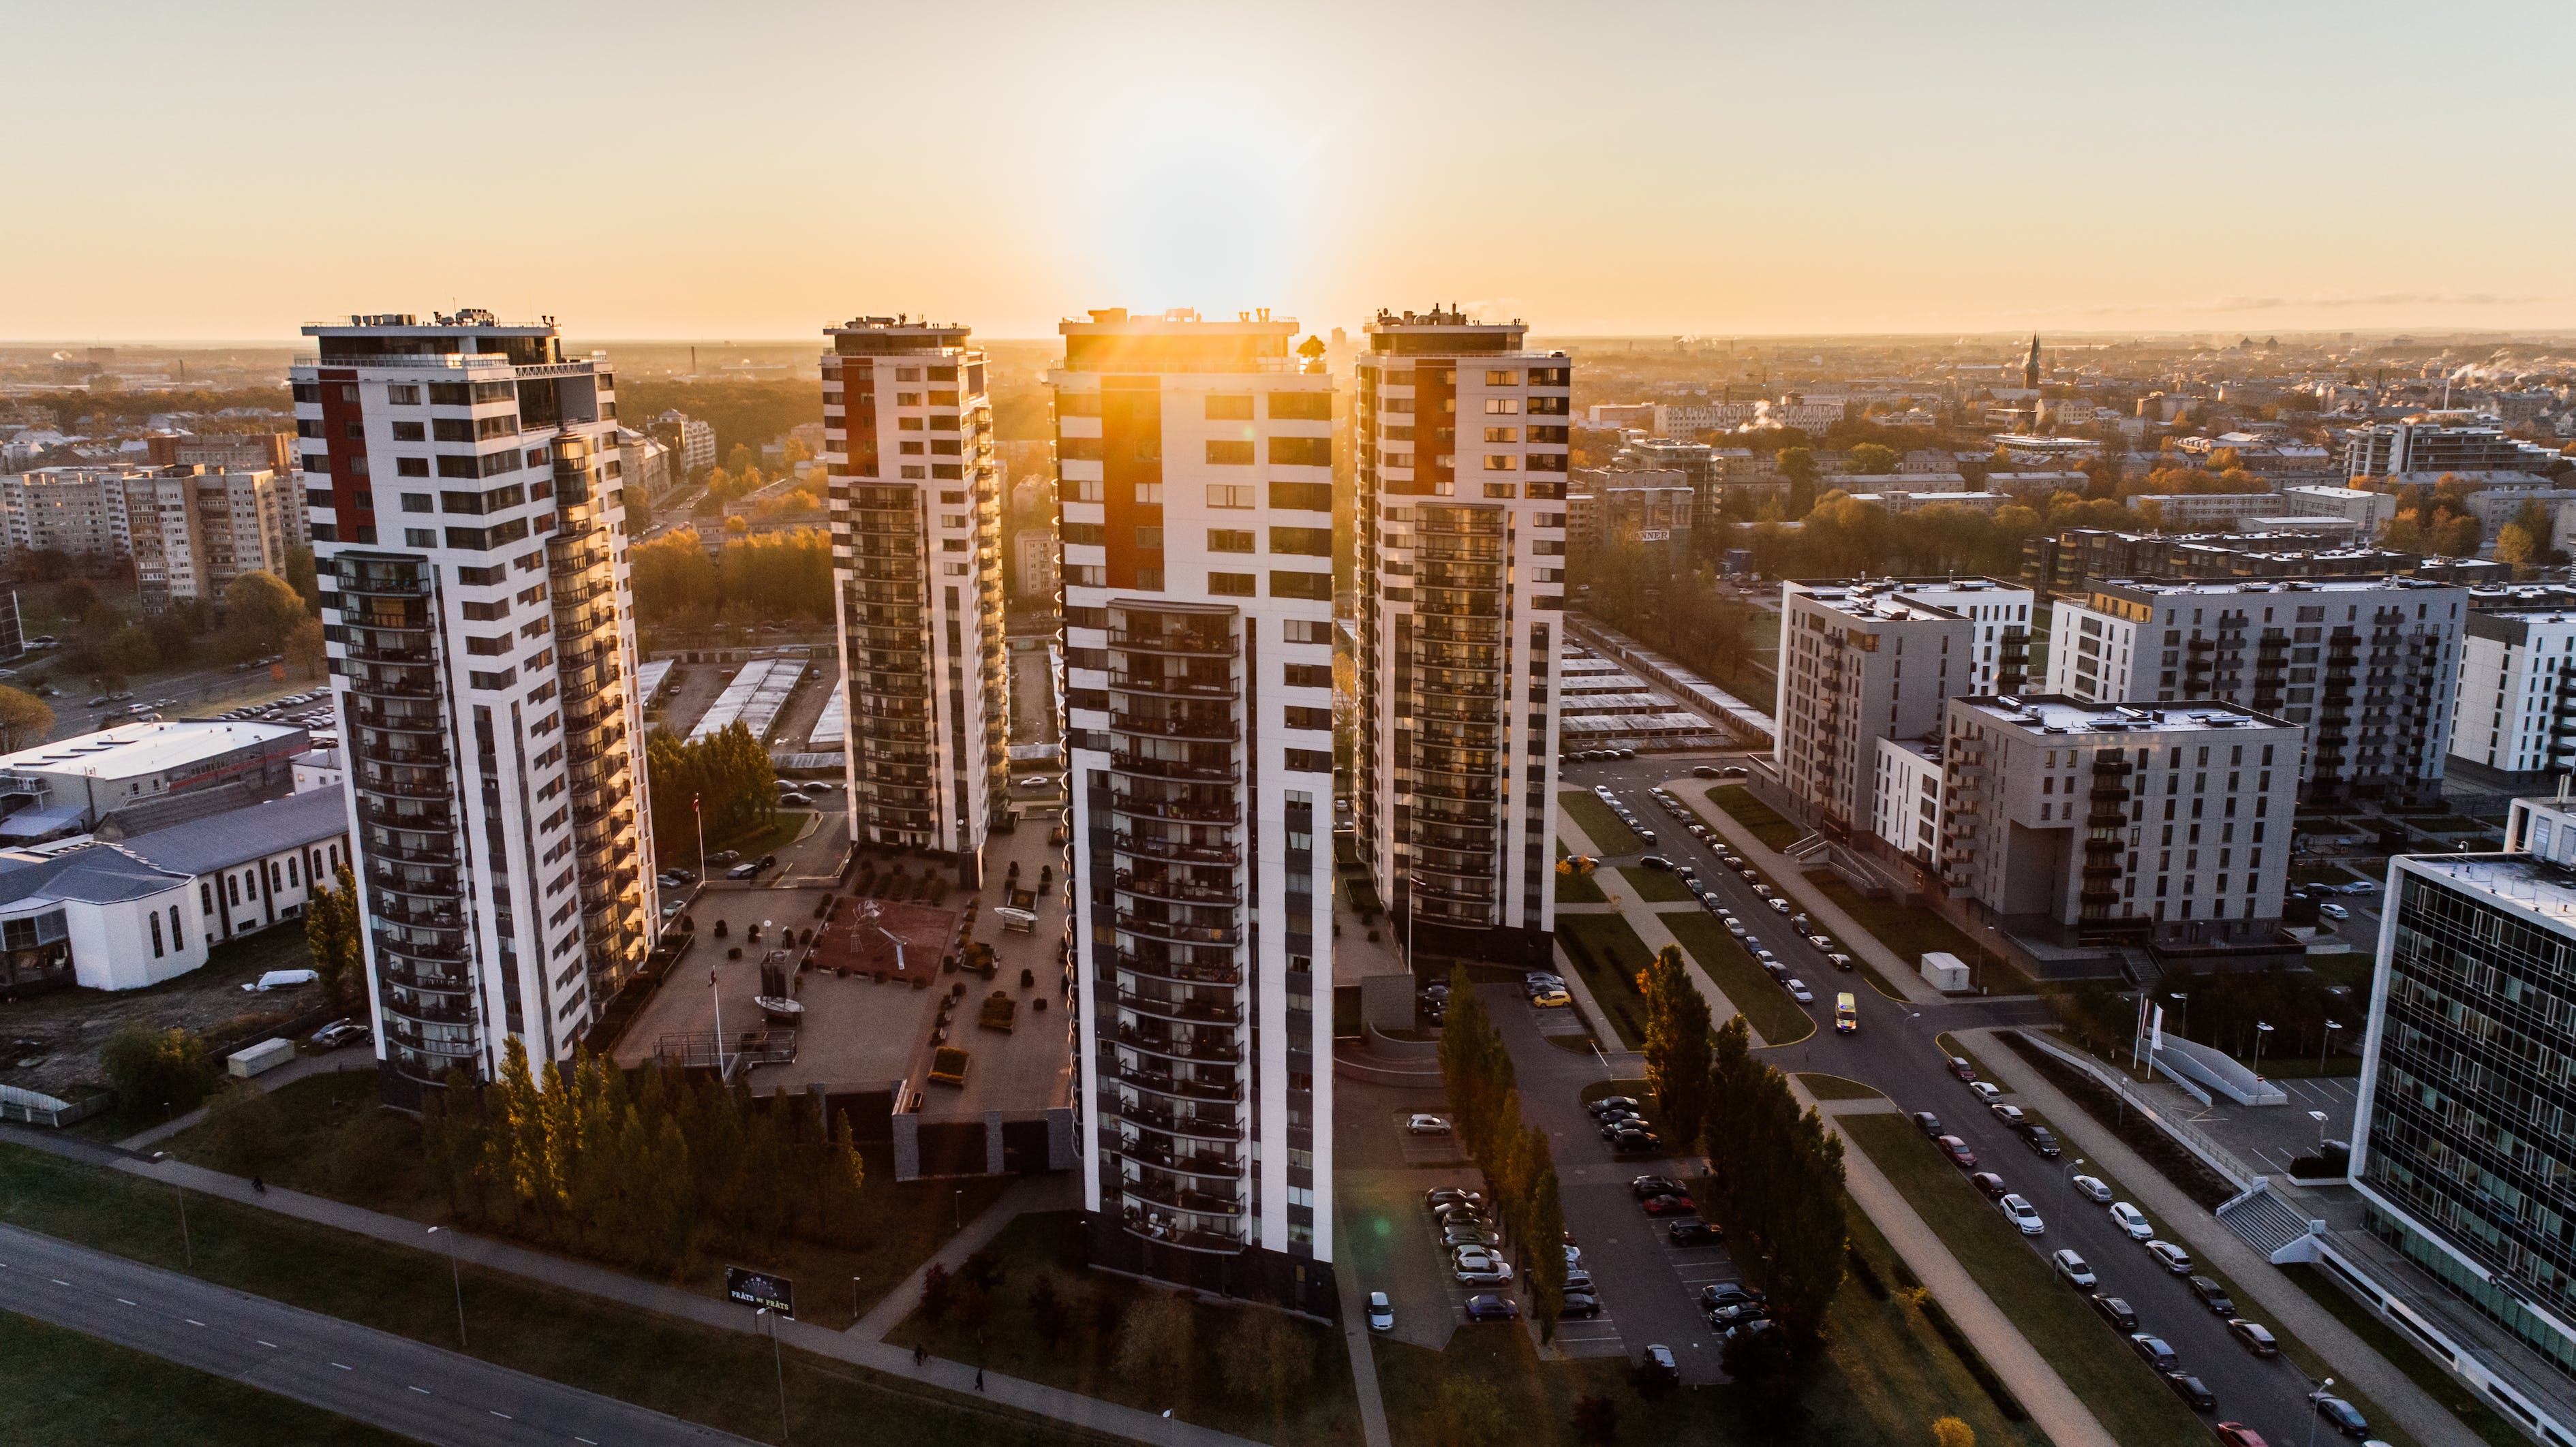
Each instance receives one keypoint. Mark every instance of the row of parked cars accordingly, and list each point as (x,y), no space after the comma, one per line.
(1595,756)
(1627,816)
(1474,1244)
(1624,1128)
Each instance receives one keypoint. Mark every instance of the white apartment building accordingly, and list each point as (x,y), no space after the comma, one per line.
(692,442)
(480,627)
(1688,420)
(2368,512)
(2424,448)
(1195,473)
(917,562)
(641,465)
(1845,647)
(2517,706)
(2369,666)
(1907,811)
(76,510)
(2092,823)
(190,529)
(1461,435)
(2184,511)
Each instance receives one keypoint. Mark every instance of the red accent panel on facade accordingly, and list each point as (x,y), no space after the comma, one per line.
(1131,456)
(351,495)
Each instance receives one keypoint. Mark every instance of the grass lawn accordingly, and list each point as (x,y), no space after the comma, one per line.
(334,1141)
(1594,818)
(1885,1376)
(1576,888)
(74,1389)
(1033,1249)
(1913,933)
(1835,1087)
(1766,1007)
(1950,1045)
(721,1379)
(2402,1353)
(1765,822)
(2353,967)
(2132,1405)
(1610,957)
(1655,886)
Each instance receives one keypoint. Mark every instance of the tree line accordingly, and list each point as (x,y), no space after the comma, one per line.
(1518,1164)
(645,1172)
(724,783)
(759,578)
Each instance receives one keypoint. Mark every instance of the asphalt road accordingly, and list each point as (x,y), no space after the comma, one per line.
(391,1382)
(1894,1053)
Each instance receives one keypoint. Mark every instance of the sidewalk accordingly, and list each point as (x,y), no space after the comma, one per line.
(352,1060)
(2054,1408)
(1052,1403)
(1790,877)
(2208,1239)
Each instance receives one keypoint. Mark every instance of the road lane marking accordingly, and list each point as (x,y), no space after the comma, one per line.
(504,1416)
(424,1391)
(585,1439)
(192,1321)
(272,1346)
(58,1281)
(344,1366)
(121,1301)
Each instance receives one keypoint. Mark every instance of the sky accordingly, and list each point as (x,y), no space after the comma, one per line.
(755,171)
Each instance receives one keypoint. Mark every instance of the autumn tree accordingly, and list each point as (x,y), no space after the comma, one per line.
(1871,458)
(333,918)
(261,609)
(1677,1048)
(25,720)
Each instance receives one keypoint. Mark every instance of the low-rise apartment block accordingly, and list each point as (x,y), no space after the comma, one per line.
(2517,705)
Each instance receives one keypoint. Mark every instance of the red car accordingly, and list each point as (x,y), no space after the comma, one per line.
(1670,1206)
(1958,1152)
(2237,1434)
(1960,1067)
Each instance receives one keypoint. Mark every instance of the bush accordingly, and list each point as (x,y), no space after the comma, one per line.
(241,1130)
(152,1067)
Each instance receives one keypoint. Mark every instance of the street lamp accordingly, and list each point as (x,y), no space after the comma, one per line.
(2319,1117)
(187,1248)
(718,996)
(778,1360)
(1413,885)
(2260,1030)
(456,1279)
(2322,1050)
(2312,1409)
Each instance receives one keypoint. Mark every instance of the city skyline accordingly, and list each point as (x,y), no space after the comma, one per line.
(2085,173)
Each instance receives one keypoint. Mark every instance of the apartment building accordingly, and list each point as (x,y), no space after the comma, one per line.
(1844,650)
(188,528)
(2089,823)
(692,442)
(1194,466)
(80,511)
(2427,446)
(480,626)
(2462,1150)
(2368,666)
(917,561)
(2517,703)
(1461,551)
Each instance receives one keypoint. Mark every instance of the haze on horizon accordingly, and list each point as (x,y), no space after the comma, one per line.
(663,172)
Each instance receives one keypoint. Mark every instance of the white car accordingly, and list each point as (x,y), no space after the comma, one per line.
(2334,911)
(1735,927)
(2173,1258)
(1799,992)
(2021,1213)
(1780,906)
(2091,1188)
(1426,1125)
(2072,1270)
(2132,1220)
(1985,1090)
(1381,1312)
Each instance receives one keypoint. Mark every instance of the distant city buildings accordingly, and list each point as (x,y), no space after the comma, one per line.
(692,443)
(2425,448)
(188,529)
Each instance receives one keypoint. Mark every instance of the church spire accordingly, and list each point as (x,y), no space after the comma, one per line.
(2030,365)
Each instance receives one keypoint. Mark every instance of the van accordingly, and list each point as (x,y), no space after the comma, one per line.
(1846,1014)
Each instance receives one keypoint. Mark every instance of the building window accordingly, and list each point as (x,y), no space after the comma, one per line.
(1229,454)
(178,936)
(1230,585)
(156,934)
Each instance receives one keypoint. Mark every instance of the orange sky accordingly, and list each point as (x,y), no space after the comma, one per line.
(184,171)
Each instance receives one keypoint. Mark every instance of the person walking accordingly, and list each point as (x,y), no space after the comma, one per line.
(979,1379)
(258,1187)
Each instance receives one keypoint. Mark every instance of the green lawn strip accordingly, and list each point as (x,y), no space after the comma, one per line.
(1767,1007)
(1607,954)
(1655,886)
(2131,1403)
(1835,1087)
(1577,888)
(1885,1376)
(334,1141)
(1950,1045)
(1594,818)
(77,1391)
(722,1379)
(1756,816)
(1043,1247)
(2454,1395)
(1910,934)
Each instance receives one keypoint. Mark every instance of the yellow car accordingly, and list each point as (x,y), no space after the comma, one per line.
(1551,999)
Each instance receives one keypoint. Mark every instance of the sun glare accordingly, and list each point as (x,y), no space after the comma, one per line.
(1203,205)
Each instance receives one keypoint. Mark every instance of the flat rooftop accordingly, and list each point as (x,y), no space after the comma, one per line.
(2227,587)
(2057,714)
(2524,881)
(131,751)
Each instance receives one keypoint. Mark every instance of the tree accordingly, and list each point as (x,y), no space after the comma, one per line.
(1798,465)
(128,650)
(1874,459)
(1951,1432)
(1766,1377)
(152,1067)
(261,608)
(301,576)
(1155,1341)
(937,1293)
(1049,1316)
(1677,1048)
(2524,541)
(304,649)
(25,720)
(332,921)
(241,1130)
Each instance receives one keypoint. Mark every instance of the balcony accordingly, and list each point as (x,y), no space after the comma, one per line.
(404,910)
(404,788)
(379,811)
(1128,763)
(1179,1047)
(1204,1125)
(1205,813)
(1178,931)
(1185,1198)
(371,651)
(422,684)
(1183,890)
(1153,848)
(1150,1227)
(436,1010)
(1189,1011)
(1199,645)
(1176,728)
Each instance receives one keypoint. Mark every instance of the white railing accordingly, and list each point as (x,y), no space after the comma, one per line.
(450,361)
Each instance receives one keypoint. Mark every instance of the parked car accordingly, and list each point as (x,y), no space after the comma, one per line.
(1439,1196)
(1578,1281)
(1730,1293)
(1798,991)
(1986,1092)
(1691,1231)
(2334,911)
(1929,1124)
(2256,1337)
(2072,1270)
(1419,1124)
(1958,1152)
(2042,1142)
(1960,1067)
(1704,771)
(1669,1206)
(339,1033)
(2114,1310)
(2153,1351)
(1645,1186)
(2024,1216)
(1489,1307)
(1636,1142)
(747,870)
(1611,1127)
(2010,1115)
(1988,1184)
(1579,1303)
(724,856)
(2132,1220)
(1608,1103)
(1381,1312)
(2170,1256)
(2237,1434)
(1469,1233)
(2341,1415)
(2211,1294)
(1482,1270)
(2193,1393)
(2091,1188)
(1654,861)
(1659,1364)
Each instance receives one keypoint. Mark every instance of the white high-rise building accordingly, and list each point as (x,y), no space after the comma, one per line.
(1195,472)
(472,555)
(2517,708)
(917,565)
(1461,443)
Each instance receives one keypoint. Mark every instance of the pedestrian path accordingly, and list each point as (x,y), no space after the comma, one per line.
(1052,1403)
(2209,1240)
(353,1061)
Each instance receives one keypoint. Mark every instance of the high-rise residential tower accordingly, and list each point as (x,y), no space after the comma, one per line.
(1195,472)
(469,532)
(1461,442)
(917,564)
